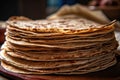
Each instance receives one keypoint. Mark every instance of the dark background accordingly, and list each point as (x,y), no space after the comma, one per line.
(34,9)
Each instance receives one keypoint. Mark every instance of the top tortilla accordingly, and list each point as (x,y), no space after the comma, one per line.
(66,26)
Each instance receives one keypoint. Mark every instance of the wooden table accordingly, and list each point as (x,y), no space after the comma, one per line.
(112,73)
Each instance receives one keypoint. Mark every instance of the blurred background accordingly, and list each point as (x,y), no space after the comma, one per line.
(38,9)
(35,9)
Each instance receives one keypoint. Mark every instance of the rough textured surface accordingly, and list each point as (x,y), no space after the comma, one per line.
(60,46)
(68,26)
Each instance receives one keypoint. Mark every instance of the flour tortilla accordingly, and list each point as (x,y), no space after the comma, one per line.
(48,64)
(19,70)
(56,56)
(99,38)
(93,69)
(66,26)
(52,35)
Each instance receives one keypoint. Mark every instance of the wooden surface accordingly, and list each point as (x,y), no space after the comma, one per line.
(112,73)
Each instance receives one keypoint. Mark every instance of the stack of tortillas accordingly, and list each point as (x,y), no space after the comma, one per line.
(59,46)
